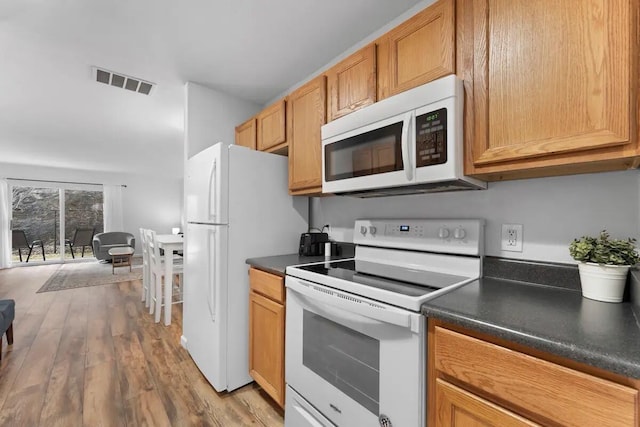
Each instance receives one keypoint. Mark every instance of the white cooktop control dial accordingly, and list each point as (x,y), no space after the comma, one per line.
(459,233)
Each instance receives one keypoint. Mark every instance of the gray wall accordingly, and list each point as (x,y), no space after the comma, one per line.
(211,116)
(552,210)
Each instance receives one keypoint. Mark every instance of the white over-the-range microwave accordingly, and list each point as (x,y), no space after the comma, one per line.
(409,143)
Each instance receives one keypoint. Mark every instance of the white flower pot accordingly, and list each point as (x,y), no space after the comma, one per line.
(603,282)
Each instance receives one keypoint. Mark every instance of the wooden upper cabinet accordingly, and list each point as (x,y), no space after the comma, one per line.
(306,112)
(418,51)
(246,134)
(553,85)
(351,84)
(271,124)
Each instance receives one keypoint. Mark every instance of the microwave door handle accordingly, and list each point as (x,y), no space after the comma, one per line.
(406,145)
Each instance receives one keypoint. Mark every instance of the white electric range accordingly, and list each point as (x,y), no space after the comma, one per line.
(356,341)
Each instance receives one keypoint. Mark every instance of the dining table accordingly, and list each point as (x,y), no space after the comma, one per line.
(168,243)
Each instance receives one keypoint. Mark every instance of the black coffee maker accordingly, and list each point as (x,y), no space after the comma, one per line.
(312,243)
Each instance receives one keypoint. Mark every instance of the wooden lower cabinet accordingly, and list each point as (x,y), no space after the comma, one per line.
(266,333)
(478,380)
(460,408)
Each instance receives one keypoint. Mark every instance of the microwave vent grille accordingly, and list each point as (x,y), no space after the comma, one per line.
(432,187)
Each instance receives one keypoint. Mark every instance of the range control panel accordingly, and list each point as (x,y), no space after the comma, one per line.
(456,236)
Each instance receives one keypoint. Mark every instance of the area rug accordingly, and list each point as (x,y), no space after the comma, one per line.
(80,275)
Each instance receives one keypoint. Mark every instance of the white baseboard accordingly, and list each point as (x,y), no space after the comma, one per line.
(183,341)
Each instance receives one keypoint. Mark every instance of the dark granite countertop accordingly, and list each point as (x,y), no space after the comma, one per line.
(277,264)
(555,320)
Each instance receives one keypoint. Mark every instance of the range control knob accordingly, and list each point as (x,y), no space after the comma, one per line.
(459,233)
(443,232)
(372,230)
(363,230)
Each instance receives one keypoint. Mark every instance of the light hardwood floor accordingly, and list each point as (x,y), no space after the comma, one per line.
(94,357)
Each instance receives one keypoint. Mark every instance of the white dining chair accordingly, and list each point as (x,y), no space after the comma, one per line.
(146,273)
(156,269)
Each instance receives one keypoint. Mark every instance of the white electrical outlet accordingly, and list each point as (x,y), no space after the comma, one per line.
(511,237)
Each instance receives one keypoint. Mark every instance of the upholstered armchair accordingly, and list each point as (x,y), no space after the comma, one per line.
(102,242)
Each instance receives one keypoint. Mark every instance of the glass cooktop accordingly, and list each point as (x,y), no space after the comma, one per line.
(400,280)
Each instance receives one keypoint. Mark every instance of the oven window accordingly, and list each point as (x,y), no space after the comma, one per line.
(345,358)
(374,152)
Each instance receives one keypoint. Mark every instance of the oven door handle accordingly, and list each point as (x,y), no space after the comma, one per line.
(406,145)
(349,304)
(310,419)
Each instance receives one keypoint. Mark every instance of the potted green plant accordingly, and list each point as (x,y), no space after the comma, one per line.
(604,265)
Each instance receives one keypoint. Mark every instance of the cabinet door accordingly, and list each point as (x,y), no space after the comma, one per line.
(246,134)
(351,84)
(272,126)
(552,85)
(266,345)
(456,407)
(306,110)
(418,51)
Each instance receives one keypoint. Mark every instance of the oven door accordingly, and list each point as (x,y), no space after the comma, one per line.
(377,155)
(355,360)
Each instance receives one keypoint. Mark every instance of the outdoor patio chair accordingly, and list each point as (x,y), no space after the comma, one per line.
(82,237)
(19,241)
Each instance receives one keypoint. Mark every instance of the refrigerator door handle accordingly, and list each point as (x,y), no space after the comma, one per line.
(213,191)
(211,297)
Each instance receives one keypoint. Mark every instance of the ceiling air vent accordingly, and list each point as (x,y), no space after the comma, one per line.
(123,81)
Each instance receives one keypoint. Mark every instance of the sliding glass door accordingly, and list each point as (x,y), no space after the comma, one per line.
(82,219)
(34,224)
(54,222)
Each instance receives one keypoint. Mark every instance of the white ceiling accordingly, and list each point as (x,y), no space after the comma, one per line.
(53,114)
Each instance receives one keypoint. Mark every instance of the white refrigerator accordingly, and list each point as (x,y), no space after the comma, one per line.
(237,207)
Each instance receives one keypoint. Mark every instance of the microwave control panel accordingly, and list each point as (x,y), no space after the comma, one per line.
(431,138)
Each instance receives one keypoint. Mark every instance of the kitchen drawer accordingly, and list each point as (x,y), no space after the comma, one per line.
(458,407)
(269,285)
(543,391)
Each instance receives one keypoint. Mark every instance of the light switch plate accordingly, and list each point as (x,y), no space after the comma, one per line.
(511,237)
